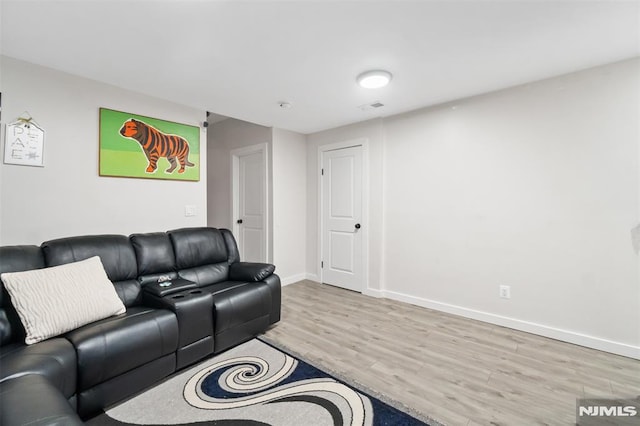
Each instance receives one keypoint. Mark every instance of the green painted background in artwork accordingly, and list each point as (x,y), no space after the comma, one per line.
(120,156)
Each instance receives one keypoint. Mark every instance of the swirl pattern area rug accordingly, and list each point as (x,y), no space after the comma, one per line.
(254,384)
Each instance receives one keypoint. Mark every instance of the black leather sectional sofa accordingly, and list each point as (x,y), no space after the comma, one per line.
(214,302)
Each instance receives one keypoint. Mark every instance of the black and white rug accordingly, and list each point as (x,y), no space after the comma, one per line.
(254,384)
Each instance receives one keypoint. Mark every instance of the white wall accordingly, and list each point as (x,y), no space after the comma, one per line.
(222,138)
(67,197)
(536,187)
(289,206)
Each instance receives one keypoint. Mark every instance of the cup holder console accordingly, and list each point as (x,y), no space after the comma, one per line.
(194,309)
(165,288)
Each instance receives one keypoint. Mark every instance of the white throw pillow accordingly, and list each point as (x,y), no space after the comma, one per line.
(55,300)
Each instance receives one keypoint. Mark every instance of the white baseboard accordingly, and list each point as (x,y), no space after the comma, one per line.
(292,279)
(374,293)
(529,327)
(312,277)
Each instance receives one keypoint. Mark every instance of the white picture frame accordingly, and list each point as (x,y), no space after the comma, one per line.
(24,144)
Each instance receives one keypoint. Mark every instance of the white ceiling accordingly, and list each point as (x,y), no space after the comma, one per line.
(239,58)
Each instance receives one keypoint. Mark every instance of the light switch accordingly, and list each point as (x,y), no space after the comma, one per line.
(189,210)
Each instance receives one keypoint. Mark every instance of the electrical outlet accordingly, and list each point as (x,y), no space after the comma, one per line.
(189,210)
(505,292)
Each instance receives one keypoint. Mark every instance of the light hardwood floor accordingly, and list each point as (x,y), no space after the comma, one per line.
(455,370)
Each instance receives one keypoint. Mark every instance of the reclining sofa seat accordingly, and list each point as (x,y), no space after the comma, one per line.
(94,365)
(124,353)
(246,296)
(47,369)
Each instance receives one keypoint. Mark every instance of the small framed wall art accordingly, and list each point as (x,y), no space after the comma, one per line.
(24,142)
(137,146)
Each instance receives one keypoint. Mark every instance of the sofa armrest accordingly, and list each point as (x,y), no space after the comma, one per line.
(246,271)
(34,401)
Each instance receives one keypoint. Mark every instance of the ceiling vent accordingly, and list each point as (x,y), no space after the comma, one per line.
(372,106)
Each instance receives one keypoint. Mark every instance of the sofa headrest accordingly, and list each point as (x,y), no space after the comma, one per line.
(232,247)
(20,258)
(115,251)
(198,246)
(154,253)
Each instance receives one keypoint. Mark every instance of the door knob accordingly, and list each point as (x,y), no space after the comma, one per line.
(357,226)
(239,221)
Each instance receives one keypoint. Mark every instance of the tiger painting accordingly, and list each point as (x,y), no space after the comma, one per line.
(156,144)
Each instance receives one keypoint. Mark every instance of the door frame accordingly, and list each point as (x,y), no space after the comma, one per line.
(364,143)
(235,191)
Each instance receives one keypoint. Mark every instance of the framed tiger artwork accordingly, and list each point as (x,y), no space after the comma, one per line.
(137,146)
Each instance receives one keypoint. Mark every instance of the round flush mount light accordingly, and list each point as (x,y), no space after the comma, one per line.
(374,79)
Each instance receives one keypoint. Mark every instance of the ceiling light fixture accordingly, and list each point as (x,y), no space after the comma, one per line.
(374,79)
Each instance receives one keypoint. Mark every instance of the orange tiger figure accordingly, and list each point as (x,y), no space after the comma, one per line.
(156,144)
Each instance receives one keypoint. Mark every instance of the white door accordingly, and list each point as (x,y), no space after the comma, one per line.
(342,218)
(249,200)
